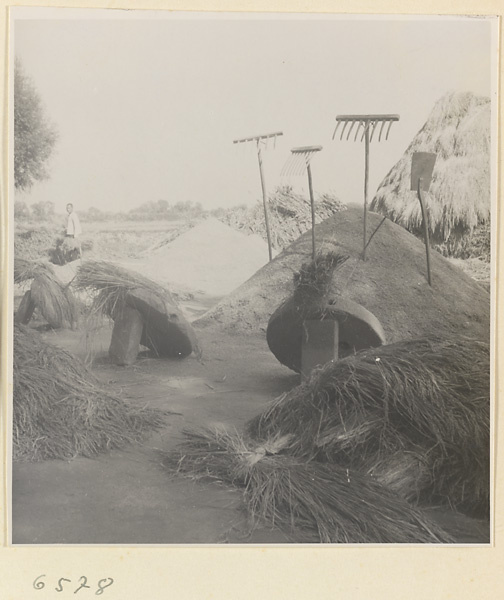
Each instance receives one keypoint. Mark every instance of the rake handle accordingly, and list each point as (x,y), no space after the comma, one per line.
(366,177)
(265,202)
(312,202)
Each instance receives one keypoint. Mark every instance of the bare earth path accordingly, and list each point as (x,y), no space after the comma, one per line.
(125,497)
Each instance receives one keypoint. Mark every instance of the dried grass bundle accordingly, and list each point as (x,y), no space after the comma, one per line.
(110,285)
(458,131)
(62,411)
(313,281)
(309,500)
(54,300)
(428,397)
(25,270)
(289,216)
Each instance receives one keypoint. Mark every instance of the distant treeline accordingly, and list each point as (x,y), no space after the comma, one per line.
(149,211)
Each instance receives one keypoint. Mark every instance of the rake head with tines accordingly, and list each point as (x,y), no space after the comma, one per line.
(299,160)
(364,122)
(368,124)
(297,164)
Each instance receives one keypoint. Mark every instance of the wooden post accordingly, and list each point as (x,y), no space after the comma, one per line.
(265,201)
(319,344)
(312,202)
(425,228)
(257,139)
(366,176)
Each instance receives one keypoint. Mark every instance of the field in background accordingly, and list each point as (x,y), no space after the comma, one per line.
(116,240)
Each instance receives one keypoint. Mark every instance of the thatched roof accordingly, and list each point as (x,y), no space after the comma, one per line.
(458,131)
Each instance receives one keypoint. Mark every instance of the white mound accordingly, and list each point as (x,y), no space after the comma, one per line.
(211,257)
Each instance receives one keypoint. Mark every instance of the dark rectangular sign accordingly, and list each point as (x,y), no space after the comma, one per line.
(422,166)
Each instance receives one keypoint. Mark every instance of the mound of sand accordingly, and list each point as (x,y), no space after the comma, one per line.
(391,283)
(211,257)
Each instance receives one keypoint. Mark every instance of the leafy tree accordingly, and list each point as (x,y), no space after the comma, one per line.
(34,135)
(21,210)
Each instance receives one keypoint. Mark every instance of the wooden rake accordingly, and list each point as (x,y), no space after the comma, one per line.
(263,139)
(296,164)
(366,126)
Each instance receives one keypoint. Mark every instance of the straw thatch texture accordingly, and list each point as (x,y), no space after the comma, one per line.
(60,410)
(166,331)
(313,281)
(458,132)
(53,299)
(289,216)
(311,501)
(425,402)
(25,270)
(110,285)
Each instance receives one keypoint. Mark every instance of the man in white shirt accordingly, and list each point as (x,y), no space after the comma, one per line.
(73,229)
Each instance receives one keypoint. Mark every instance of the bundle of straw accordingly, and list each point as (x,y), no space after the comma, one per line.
(289,216)
(166,331)
(54,300)
(427,397)
(110,285)
(62,411)
(310,501)
(312,282)
(25,270)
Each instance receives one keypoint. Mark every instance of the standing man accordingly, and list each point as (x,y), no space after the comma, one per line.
(73,229)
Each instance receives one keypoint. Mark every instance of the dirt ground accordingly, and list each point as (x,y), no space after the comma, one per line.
(126,497)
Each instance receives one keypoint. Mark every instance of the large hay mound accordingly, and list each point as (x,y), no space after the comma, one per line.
(391,284)
(62,411)
(458,132)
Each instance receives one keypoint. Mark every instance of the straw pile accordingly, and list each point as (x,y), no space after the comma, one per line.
(458,131)
(414,415)
(25,270)
(165,330)
(289,216)
(309,500)
(110,284)
(68,249)
(313,281)
(62,411)
(53,299)
(355,452)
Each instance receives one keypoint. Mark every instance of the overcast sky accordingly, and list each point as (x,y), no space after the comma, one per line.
(147,104)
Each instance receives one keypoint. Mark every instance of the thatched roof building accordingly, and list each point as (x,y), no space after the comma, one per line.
(458,131)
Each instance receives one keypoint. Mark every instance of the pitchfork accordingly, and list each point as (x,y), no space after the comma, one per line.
(368,123)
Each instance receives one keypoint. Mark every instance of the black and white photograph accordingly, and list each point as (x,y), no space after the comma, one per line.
(252,280)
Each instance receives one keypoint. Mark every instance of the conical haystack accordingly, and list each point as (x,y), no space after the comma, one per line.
(458,132)
(391,283)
